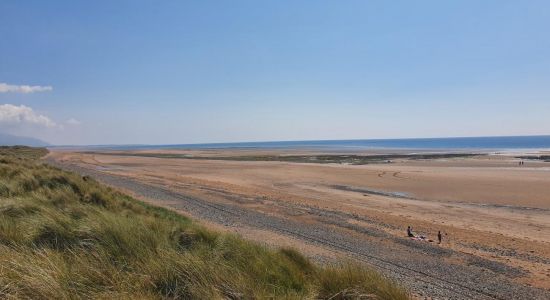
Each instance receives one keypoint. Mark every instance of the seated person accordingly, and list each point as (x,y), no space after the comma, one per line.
(409,232)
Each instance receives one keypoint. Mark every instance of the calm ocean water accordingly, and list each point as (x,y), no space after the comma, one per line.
(475,143)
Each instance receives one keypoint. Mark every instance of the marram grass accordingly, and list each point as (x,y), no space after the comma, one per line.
(67,237)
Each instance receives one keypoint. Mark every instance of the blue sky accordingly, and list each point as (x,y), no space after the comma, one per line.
(218,71)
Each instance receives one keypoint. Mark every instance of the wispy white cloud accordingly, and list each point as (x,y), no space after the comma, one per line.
(73,121)
(23,115)
(24,89)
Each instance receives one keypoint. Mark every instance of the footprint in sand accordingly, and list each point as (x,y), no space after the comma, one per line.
(396,175)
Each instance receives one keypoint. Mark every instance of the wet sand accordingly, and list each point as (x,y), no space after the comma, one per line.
(487,206)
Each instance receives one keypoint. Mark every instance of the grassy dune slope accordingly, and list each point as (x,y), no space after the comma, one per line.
(64,236)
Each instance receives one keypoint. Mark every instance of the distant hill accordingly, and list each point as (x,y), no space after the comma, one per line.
(11,140)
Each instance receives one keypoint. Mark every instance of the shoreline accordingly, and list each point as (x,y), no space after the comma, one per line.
(485,144)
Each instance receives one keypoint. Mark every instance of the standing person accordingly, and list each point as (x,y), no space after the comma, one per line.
(439,236)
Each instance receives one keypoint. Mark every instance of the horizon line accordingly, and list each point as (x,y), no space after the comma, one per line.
(297,141)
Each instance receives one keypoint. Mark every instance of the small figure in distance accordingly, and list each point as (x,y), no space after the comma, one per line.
(439,237)
(409,232)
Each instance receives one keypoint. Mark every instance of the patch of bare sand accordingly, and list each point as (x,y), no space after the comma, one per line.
(479,203)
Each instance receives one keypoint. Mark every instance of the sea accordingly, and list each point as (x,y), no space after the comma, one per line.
(490,143)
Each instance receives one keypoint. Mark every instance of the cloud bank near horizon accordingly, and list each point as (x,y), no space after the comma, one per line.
(14,115)
(73,121)
(23,89)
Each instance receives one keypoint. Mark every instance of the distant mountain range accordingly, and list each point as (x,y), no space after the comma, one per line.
(12,140)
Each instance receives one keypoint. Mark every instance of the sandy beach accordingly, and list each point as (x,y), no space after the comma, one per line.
(487,206)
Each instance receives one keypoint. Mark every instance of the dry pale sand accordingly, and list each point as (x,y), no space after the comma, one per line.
(481,203)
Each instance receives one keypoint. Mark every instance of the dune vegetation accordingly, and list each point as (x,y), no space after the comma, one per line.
(64,236)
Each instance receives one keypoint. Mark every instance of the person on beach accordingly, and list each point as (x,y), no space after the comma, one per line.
(439,237)
(409,232)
